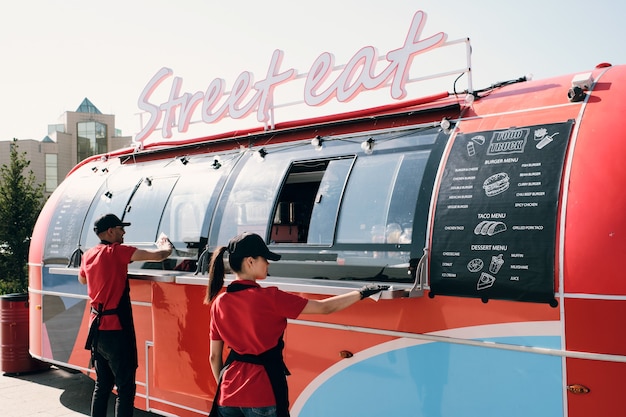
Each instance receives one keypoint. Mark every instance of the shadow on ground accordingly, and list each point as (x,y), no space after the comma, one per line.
(76,386)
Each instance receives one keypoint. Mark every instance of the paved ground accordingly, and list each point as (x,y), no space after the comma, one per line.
(51,392)
(42,391)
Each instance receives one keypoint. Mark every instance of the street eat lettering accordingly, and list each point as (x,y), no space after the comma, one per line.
(246,96)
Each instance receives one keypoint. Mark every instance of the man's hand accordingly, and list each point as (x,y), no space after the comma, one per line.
(163,242)
(371,289)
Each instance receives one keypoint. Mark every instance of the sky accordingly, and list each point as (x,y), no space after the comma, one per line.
(58,52)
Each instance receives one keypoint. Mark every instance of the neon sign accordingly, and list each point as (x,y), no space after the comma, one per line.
(246,96)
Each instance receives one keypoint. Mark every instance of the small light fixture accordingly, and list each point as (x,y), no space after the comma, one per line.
(317,142)
(216,163)
(184,160)
(368,146)
(106,197)
(584,81)
(576,94)
(469,99)
(260,154)
(445,125)
(94,169)
(105,170)
(580,84)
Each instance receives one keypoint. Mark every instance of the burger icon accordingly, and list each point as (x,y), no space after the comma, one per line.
(496,184)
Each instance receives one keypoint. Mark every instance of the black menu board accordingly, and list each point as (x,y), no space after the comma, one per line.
(67,222)
(494,231)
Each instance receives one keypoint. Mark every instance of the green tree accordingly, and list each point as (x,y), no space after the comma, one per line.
(21,200)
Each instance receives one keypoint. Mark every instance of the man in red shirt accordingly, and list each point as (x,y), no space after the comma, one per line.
(104,268)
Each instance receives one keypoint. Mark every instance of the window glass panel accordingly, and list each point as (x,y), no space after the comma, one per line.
(246,207)
(83,148)
(77,193)
(51,172)
(399,225)
(380,198)
(100,130)
(145,209)
(91,140)
(326,202)
(100,138)
(186,210)
(111,198)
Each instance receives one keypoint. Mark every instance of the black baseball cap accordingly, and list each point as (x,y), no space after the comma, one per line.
(250,244)
(106,222)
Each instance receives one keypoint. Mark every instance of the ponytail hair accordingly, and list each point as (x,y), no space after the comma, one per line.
(216,275)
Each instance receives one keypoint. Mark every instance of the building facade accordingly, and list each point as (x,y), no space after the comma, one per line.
(78,135)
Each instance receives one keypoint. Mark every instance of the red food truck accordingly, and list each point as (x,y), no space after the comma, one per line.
(496,216)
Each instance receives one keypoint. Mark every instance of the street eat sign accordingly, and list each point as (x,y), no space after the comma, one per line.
(246,96)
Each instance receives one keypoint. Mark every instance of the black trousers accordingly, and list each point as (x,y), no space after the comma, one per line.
(115,363)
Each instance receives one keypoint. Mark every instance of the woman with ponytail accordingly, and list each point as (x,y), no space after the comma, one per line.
(251,320)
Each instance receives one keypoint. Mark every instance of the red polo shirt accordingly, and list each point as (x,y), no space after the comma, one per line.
(251,322)
(106,270)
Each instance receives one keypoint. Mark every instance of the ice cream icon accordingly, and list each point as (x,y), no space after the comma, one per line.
(496,264)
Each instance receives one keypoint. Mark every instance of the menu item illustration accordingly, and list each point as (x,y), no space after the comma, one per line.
(540,133)
(496,264)
(485,281)
(471,149)
(479,139)
(496,184)
(489,228)
(475,265)
(546,140)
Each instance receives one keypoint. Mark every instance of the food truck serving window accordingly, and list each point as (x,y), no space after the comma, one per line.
(354,197)
(351,214)
(307,206)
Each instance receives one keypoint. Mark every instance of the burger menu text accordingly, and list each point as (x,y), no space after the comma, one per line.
(494,234)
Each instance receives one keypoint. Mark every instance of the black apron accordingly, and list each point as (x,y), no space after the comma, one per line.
(125,314)
(272,361)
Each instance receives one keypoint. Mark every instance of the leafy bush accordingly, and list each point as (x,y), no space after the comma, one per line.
(21,200)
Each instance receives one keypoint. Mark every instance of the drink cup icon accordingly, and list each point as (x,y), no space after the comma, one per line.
(546,140)
(471,150)
(496,264)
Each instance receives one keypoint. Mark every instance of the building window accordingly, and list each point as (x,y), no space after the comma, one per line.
(92,139)
(56,128)
(52,179)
